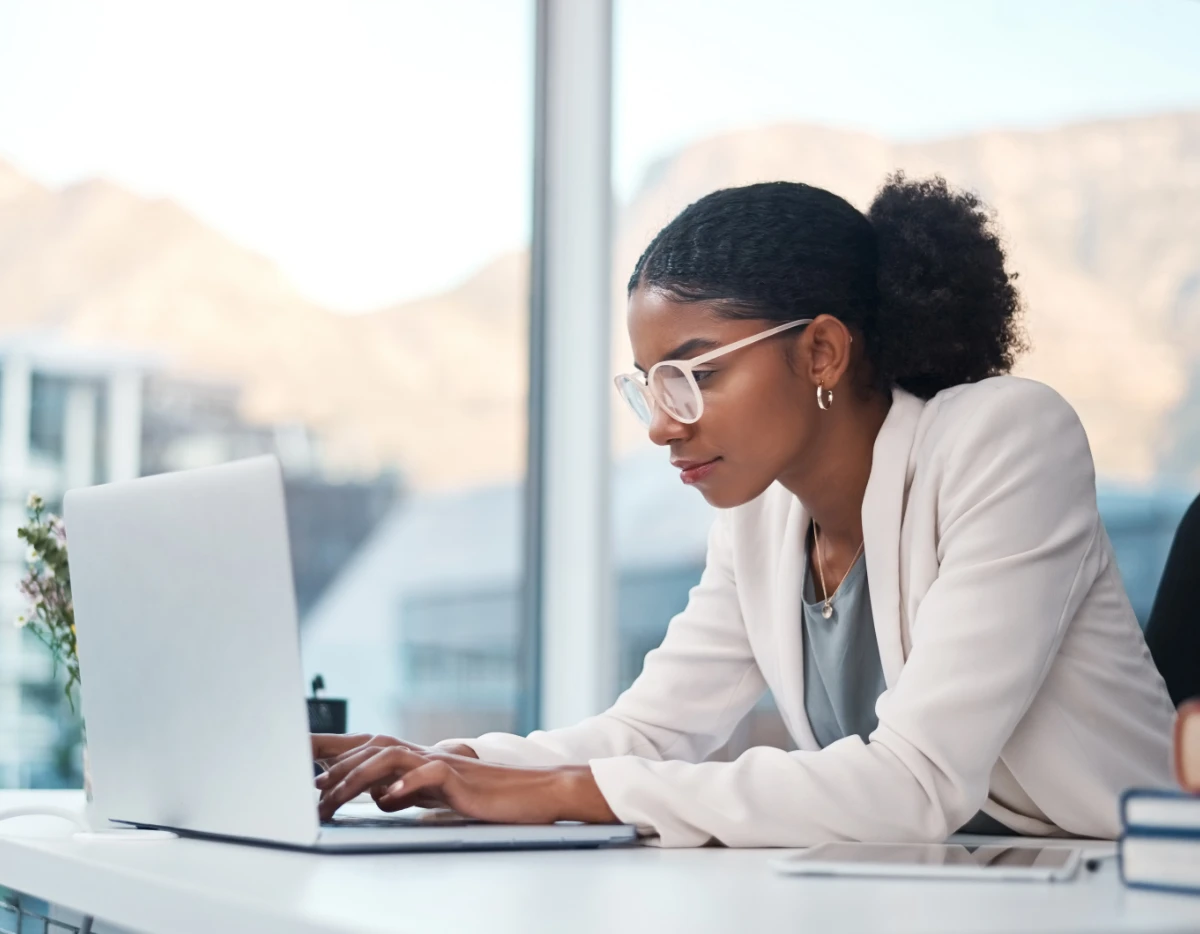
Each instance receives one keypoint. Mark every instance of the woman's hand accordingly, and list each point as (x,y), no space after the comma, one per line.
(401,775)
(328,747)
(331,745)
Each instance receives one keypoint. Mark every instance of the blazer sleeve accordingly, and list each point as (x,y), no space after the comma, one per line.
(693,689)
(1018,544)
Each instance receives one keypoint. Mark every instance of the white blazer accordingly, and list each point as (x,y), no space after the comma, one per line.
(1018,680)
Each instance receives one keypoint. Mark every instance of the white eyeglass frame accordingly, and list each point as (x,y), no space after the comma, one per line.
(644,385)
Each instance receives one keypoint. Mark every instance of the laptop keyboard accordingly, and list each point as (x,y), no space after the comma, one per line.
(428,819)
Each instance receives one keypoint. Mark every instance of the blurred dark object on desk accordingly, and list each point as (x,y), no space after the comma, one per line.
(325,714)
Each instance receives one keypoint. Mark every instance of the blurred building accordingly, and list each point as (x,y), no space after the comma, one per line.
(193,422)
(72,415)
(419,631)
(420,628)
(328,521)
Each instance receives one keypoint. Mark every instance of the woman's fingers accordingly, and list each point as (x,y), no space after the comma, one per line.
(382,742)
(337,769)
(434,779)
(354,775)
(371,742)
(368,766)
(423,798)
(331,745)
(380,789)
(353,765)
(354,745)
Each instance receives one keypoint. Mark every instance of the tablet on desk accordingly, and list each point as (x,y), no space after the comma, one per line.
(934,861)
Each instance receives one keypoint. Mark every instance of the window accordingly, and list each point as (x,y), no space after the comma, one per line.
(235,228)
(1079,122)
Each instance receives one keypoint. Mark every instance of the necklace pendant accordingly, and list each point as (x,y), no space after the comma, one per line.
(827,610)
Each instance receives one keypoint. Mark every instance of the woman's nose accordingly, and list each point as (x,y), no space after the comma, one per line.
(664,429)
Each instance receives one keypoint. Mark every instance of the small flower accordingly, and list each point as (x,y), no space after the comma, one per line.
(20,621)
(34,501)
(32,556)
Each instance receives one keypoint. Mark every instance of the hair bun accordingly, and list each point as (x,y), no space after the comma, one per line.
(948,310)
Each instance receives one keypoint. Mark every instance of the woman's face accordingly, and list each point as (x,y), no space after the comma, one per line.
(760,418)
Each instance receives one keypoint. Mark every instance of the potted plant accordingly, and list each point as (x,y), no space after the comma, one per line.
(49,613)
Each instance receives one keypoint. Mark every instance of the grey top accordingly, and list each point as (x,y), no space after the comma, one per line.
(843,676)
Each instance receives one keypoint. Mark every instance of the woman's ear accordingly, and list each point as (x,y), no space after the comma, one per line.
(829,350)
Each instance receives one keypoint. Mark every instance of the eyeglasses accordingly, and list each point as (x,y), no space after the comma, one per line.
(672,384)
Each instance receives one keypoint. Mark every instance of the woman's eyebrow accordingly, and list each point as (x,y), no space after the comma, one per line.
(683,350)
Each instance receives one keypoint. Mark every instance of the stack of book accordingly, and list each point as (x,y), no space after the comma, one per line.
(1160,846)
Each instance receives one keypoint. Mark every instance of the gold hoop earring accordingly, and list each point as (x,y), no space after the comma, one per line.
(824,398)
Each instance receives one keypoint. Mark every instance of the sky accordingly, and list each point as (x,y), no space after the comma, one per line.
(379,150)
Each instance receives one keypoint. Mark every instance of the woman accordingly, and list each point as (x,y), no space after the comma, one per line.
(909,555)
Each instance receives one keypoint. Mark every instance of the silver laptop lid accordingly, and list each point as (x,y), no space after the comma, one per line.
(192,687)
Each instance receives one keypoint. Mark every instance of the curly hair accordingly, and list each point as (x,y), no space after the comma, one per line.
(921,275)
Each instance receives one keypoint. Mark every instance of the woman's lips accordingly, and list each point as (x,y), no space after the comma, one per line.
(691,472)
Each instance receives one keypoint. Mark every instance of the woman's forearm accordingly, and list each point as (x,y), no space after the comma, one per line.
(573,788)
(578,797)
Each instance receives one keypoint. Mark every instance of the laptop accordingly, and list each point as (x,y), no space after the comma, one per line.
(192,687)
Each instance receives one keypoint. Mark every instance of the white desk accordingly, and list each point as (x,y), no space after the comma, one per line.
(197,887)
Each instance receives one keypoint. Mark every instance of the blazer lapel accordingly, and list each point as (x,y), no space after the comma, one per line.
(882,514)
(789,623)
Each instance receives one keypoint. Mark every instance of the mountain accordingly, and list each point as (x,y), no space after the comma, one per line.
(1101,220)
(408,387)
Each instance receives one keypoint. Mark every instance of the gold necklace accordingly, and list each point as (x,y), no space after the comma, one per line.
(827,609)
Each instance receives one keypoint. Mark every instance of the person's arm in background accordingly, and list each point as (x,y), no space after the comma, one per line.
(692,692)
